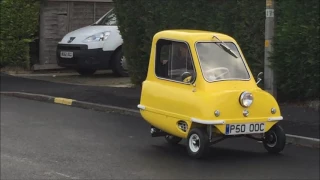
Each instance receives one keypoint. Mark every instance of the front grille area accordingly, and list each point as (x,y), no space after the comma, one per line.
(72,47)
(75,48)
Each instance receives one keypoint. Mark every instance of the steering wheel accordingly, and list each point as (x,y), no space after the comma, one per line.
(186,77)
(211,71)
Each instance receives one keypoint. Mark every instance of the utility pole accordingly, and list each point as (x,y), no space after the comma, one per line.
(269,80)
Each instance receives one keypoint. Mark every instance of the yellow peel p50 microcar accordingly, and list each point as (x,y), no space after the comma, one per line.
(199,87)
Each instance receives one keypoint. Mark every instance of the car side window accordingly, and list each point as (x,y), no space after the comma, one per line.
(174,61)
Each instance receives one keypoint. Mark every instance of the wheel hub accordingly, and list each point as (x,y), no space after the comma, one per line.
(194,143)
(124,63)
(271,139)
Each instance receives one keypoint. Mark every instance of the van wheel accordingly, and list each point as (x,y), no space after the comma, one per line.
(173,140)
(86,72)
(198,142)
(119,64)
(275,139)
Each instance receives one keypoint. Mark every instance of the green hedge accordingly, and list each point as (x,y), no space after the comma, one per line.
(19,23)
(139,20)
(296,57)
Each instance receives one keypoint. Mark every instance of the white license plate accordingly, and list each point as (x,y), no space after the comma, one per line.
(248,128)
(65,54)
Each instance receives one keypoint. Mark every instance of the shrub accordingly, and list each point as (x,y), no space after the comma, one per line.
(139,20)
(296,56)
(296,59)
(19,23)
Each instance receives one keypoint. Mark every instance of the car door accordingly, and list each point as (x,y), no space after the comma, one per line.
(172,97)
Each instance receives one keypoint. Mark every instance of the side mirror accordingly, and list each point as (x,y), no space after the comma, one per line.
(187,77)
(258,77)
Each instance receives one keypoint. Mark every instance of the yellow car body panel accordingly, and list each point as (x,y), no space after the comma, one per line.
(164,102)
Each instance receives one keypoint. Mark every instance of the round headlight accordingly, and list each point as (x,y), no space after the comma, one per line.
(246,99)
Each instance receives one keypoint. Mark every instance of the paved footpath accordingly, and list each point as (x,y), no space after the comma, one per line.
(50,141)
(298,121)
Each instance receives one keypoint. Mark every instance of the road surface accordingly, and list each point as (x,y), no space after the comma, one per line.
(50,141)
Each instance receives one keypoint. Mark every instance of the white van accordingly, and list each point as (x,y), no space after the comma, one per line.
(94,47)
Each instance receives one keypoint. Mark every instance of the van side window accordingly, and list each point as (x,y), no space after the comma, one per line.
(173,59)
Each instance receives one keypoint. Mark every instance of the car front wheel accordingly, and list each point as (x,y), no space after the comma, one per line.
(198,141)
(275,139)
(119,64)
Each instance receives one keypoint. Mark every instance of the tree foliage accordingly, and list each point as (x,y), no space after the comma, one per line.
(296,56)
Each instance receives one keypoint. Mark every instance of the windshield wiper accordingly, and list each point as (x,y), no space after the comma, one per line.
(226,48)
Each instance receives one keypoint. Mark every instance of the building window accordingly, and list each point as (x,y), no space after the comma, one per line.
(173,60)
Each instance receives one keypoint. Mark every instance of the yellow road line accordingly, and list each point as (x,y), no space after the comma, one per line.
(64,101)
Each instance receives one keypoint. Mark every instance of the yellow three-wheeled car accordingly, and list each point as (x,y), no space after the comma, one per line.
(200,87)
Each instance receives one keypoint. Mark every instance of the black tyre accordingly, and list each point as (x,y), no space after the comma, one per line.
(198,142)
(86,72)
(275,139)
(119,64)
(173,140)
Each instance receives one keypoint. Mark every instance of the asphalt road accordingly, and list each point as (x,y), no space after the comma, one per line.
(50,141)
(297,120)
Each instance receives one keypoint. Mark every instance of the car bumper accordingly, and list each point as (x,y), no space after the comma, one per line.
(82,57)
(223,125)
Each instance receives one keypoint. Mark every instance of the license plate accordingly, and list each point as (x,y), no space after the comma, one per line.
(248,128)
(65,54)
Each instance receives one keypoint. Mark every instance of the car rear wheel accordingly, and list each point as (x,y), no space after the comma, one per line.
(86,72)
(275,139)
(119,64)
(198,142)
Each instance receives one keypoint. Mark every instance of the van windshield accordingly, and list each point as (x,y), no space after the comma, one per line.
(108,20)
(219,65)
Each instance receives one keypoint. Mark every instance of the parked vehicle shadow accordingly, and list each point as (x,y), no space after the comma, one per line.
(215,154)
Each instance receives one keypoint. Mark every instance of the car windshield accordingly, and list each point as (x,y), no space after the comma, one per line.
(108,20)
(217,63)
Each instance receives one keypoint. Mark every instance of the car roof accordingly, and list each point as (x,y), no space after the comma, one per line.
(191,35)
